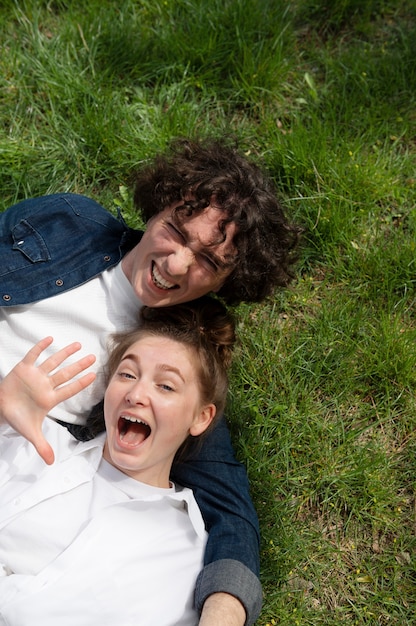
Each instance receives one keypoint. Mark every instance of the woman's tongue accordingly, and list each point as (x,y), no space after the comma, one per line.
(133,433)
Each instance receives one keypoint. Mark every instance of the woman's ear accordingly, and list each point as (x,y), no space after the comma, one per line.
(203,420)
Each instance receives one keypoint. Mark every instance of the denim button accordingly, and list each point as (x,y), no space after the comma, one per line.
(59,282)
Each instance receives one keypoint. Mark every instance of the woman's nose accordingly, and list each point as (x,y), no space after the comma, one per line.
(137,394)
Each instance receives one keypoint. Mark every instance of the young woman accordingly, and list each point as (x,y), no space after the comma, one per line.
(99,534)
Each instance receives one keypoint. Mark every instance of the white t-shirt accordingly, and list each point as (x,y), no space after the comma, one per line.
(82,543)
(88,314)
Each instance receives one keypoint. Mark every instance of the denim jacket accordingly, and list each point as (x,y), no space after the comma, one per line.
(51,244)
(57,242)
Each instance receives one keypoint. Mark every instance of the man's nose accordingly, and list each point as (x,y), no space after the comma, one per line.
(179,262)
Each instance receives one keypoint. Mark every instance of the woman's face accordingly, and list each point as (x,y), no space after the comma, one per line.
(151,405)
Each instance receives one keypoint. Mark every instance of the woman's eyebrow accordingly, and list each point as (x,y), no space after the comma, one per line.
(164,367)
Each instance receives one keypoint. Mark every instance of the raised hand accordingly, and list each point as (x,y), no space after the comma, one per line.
(30,391)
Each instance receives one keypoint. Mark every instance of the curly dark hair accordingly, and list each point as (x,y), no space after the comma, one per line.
(212,170)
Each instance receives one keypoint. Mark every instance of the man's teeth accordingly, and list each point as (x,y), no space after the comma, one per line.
(159,280)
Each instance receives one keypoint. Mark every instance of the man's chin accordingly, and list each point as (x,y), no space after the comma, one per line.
(164,298)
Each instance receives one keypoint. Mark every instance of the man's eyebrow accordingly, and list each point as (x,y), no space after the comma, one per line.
(207,249)
(221,263)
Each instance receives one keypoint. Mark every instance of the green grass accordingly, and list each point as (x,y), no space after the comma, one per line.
(322,406)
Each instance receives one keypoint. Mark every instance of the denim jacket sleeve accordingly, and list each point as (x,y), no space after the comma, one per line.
(54,243)
(221,489)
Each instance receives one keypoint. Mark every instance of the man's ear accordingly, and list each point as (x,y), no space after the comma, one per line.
(203,420)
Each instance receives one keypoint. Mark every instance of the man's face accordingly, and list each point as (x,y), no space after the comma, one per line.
(178,262)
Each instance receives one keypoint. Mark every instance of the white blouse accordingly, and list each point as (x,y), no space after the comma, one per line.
(82,543)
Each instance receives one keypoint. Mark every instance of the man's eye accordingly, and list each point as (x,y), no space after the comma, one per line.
(175,231)
(210,263)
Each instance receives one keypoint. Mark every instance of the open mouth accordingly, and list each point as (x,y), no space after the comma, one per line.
(159,281)
(133,431)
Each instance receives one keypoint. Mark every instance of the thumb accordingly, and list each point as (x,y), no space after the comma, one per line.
(44,450)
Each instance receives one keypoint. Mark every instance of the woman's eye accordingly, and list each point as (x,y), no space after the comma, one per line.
(126,375)
(166,387)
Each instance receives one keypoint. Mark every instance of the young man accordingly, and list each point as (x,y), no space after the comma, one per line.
(69,269)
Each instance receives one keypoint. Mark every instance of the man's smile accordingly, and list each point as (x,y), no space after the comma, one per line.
(159,281)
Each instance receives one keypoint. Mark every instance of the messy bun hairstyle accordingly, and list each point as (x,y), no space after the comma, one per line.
(204,325)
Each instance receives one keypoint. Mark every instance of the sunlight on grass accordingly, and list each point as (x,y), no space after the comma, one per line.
(322,406)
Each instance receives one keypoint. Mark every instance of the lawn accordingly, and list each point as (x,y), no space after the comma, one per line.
(322,404)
